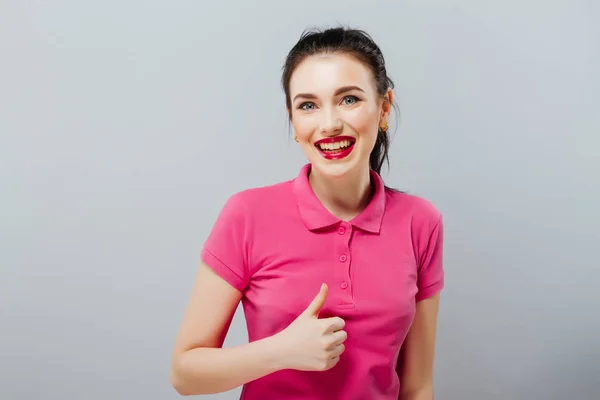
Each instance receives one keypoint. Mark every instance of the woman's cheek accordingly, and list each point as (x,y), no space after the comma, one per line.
(361,121)
(304,127)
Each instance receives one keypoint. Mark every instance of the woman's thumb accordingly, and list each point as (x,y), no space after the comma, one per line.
(318,302)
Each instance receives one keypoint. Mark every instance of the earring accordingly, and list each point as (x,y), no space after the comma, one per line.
(385,126)
(296,139)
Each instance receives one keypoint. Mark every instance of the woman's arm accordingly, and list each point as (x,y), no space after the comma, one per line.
(415,367)
(199,364)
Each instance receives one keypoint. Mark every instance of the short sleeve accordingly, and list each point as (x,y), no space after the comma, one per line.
(431,272)
(226,248)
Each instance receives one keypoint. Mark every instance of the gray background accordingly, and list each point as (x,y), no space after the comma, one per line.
(125,126)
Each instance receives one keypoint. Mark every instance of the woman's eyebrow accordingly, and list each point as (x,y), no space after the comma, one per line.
(347,89)
(339,91)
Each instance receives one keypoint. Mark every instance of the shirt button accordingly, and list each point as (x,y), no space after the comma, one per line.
(341,230)
(344,285)
(343,258)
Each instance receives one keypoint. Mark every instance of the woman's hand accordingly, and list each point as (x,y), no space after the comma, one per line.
(310,343)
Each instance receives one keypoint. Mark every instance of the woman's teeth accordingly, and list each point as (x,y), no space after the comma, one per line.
(335,146)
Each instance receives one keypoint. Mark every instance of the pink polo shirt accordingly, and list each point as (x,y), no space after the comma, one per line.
(277,244)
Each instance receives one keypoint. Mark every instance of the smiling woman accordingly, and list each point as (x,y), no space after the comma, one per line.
(352,313)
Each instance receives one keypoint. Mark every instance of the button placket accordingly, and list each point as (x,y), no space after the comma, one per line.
(342,265)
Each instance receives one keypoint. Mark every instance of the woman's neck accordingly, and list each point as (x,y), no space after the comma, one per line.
(346,196)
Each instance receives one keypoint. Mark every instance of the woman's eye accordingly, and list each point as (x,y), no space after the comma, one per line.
(350,100)
(307,106)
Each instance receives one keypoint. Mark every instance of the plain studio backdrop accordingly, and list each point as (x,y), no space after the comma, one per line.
(126,125)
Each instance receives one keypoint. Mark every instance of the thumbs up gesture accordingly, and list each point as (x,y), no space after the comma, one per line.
(310,343)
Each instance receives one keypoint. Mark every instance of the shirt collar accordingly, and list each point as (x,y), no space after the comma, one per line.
(316,216)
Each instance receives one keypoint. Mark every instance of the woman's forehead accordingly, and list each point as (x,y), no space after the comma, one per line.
(326,73)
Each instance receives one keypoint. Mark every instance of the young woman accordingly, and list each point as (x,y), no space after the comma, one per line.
(339,275)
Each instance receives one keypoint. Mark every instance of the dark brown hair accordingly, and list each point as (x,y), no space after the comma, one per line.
(356,43)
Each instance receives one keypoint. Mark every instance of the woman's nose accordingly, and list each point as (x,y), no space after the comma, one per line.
(331,124)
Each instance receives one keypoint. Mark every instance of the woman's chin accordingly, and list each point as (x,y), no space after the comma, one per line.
(333,169)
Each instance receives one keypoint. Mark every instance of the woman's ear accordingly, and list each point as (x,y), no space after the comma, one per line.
(386,107)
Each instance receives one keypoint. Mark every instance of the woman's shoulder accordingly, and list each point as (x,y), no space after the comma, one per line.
(421,209)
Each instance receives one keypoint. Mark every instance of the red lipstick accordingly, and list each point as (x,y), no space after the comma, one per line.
(335,148)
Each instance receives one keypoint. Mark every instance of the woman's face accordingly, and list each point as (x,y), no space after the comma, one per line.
(336,112)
